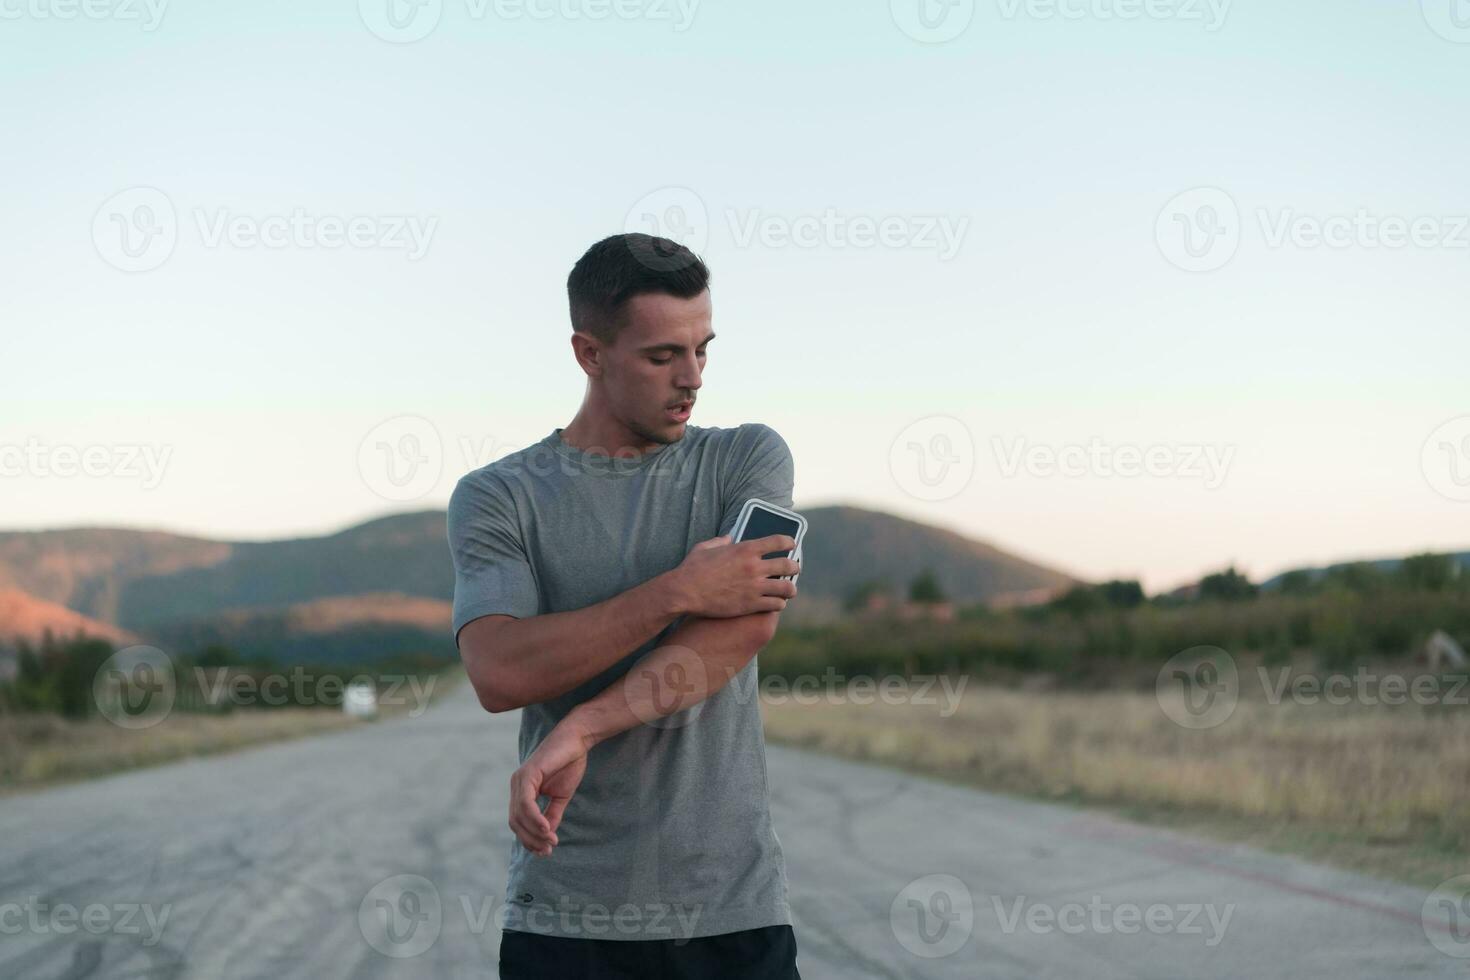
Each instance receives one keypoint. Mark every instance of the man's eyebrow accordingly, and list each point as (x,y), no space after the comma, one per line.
(673,348)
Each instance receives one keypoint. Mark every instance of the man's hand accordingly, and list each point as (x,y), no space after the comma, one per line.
(720,580)
(554,770)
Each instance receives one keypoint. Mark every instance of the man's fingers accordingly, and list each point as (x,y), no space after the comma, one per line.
(778,587)
(770,543)
(554,810)
(531,838)
(779,566)
(528,808)
(526,819)
(723,539)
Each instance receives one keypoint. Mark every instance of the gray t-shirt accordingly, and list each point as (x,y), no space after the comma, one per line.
(669,835)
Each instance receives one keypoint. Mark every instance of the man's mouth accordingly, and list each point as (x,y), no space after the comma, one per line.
(679,411)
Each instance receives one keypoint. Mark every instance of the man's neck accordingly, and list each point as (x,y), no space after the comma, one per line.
(604,434)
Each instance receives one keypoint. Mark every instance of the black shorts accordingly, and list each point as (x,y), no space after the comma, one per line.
(768,953)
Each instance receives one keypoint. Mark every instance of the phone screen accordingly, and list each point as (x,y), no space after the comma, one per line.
(763,523)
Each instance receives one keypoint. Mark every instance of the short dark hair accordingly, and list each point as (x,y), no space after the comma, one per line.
(623,266)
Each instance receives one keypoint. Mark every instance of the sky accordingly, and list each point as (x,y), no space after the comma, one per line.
(1133,288)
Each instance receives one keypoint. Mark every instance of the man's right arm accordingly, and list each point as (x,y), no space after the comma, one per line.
(515,662)
(515,658)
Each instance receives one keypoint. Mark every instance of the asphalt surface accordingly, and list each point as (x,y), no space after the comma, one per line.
(287,861)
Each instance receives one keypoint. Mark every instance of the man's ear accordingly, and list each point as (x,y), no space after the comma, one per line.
(589,352)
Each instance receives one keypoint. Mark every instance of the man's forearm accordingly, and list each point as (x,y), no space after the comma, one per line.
(699,659)
(528,661)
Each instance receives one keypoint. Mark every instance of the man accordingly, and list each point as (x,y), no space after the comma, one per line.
(597,589)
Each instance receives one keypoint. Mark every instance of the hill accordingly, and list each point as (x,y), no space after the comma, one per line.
(384,585)
(25,617)
(848,546)
(1386,565)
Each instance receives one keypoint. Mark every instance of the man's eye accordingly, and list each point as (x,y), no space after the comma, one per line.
(660,360)
(700,352)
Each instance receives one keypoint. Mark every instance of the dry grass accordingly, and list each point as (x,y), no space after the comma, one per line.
(41,749)
(37,750)
(1382,789)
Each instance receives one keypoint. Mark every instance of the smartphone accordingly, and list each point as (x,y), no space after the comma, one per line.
(761,518)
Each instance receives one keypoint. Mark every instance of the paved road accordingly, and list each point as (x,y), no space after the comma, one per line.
(257,864)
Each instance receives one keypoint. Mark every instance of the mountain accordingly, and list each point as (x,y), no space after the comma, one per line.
(25,617)
(384,586)
(848,546)
(321,631)
(1386,565)
(141,579)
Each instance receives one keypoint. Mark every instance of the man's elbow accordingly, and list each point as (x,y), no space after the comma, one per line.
(494,698)
(494,684)
(498,690)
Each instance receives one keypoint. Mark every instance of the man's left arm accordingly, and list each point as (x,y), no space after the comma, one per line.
(699,658)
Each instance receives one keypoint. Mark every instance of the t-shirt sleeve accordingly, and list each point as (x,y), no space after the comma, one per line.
(492,573)
(763,468)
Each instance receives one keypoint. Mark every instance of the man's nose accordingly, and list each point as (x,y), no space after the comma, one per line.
(689,376)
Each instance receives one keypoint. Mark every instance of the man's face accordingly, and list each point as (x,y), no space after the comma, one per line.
(652,370)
